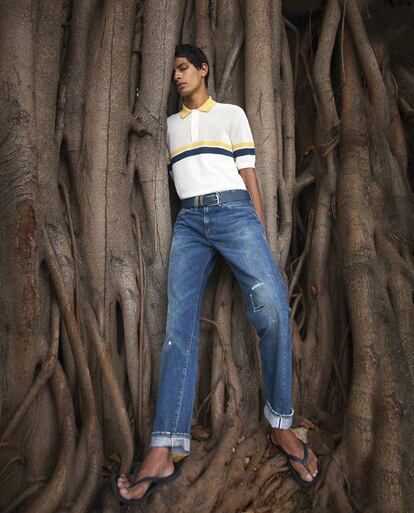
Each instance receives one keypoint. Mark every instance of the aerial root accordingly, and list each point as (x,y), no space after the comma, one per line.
(47,369)
(331,495)
(50,498)
(114,390)
(89,413)
(25,495)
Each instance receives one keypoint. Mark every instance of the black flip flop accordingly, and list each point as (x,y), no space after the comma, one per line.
(303,461)
(156,483)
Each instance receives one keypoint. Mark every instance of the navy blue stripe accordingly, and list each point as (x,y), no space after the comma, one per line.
(199,151)
(244,151)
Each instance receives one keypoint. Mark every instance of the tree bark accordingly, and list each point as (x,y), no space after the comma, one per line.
(86,211)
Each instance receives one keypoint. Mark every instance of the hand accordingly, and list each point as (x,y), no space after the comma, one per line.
(252,185)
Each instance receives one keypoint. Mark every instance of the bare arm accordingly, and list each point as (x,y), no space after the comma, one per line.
(249,177)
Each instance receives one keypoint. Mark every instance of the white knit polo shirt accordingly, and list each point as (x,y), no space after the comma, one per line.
(206,148)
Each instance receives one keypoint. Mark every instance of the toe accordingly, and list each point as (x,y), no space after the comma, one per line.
(304,474)
(134,492)
(124,492)
(122,482)
(309,472)
(291,445)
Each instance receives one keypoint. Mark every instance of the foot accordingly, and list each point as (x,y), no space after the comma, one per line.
(158,463)
(287,440)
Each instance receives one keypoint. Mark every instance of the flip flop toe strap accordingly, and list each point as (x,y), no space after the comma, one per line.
(303,461)
(153,479)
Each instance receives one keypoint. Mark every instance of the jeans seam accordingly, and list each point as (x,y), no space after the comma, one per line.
(189,347)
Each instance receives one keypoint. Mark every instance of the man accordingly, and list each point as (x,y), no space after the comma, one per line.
(211,157)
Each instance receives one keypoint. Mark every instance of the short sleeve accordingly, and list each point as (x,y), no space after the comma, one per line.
(242,142)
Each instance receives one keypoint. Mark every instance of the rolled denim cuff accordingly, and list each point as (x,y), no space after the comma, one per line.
(277,420)
(179,442)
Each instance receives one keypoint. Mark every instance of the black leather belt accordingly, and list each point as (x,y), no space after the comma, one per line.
(215,198)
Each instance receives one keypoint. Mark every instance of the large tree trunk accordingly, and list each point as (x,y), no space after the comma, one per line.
(86,215)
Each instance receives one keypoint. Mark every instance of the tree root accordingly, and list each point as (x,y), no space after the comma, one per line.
(27,494)
(48,367)
(116,396)
(144,353)
(286,178)
(234,55)
(110,503)
(50,498)
(331,495)
(91,426)
(368,62)
(204,37)
(4,476)
(251,483)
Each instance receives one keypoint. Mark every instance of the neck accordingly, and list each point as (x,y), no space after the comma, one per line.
(197,99)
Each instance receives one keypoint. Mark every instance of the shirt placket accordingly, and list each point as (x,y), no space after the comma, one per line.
(195,118)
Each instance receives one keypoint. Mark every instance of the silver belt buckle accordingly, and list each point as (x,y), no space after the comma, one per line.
(216,194)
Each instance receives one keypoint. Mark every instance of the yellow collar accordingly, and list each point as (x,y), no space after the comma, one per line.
(207,105)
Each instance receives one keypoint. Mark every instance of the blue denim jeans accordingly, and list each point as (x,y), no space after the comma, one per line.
(233,230)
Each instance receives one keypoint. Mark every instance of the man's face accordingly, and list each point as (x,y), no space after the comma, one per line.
(187,78)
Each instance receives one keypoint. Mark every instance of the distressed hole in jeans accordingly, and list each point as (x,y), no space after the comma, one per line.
(255,299)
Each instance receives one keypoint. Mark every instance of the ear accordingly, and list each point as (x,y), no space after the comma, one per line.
(204,69)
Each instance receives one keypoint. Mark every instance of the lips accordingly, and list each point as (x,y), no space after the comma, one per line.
(180,85)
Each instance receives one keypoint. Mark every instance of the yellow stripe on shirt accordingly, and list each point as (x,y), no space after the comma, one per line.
(200,144)
(249,144)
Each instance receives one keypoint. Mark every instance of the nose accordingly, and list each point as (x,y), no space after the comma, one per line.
(176,75)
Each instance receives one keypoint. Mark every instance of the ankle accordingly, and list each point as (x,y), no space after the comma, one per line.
(279,435)
(161,454)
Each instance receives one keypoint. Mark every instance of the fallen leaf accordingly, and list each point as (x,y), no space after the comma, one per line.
(301,433)
(321,441)
(307,424)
